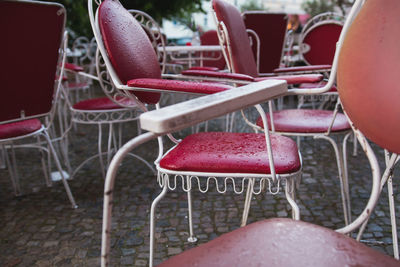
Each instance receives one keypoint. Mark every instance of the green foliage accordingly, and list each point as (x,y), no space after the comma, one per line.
(315,7)
(78,22)
(252,5)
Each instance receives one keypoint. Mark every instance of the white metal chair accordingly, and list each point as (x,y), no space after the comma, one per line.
(370,98)
(203,157)
(27,109)
(319,124)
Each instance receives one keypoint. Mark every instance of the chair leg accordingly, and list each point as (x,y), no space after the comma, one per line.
(100,153)
(289,193)
(44,167)
(355,145)
(191,237)
(247,202)
(59,168)
(343,182)
(152,218)
(346,173)
(2,158)
(13,172)
(393,218)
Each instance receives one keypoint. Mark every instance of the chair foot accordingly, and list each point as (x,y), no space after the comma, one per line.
(192,239)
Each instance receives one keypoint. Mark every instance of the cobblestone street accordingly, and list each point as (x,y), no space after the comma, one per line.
(41,229)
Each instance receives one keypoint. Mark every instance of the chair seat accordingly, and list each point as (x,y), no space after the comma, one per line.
(223,152)
(306,121)
(281,242)
(294,79)
(19,128)
(79,85)
(180,86)
(319,85)
(101,103)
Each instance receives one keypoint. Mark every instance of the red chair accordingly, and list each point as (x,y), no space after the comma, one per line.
(319,124)
(211,38)
(199,158)
(27,106)
(369,91)
(271,31)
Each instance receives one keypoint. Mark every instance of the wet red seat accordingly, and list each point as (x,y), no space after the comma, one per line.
(180,86)
(307,121)
(19,128)
(281,242)
(101,103)
(223,152)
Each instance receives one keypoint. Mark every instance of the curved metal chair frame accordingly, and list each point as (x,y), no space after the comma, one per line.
(168,178)
(225,41)
(340,250)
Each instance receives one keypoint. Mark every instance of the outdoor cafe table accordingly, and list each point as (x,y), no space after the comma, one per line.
(191,53)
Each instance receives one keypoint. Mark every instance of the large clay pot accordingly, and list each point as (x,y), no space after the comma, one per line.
(368,72)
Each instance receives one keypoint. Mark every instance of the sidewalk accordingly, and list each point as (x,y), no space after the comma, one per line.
(41,229)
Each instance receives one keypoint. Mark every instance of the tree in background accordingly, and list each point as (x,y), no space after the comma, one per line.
(252,5)
(78,19)
(315,7)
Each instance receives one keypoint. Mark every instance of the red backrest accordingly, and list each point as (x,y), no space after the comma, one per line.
(242,55)
(271,29)
(369,70)
(31,34)
(211,38)
(128,46)
(320,43)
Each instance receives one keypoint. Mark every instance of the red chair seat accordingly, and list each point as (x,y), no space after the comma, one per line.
(204,68)
(180,86)
(281,242)
(19,128)
(303,68)
(72,85)
(73,67)
(101,103)
(319,85)
(223,152)
(294,79)
(307,121)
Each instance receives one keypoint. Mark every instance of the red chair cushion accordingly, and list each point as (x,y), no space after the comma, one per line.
(73,67)
(294,79)
(281,242)
(75,86)
(223,152)
(217,74)
(242,55)
(316,85)
(204,68)
(19,128)
(128,47)
(304,68)
(180,86)
(101,103)
(306,121)
(368,73)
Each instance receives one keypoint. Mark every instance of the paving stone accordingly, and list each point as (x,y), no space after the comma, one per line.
(41,229)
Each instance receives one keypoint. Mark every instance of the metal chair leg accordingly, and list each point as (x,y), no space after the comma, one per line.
(247,202)
(289,188)
(191,237)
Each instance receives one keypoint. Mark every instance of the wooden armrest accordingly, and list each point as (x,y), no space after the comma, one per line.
(182,115)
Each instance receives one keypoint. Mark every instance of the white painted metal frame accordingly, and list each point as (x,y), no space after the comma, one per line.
(223,36)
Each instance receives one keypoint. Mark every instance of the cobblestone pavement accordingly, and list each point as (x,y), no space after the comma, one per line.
(41,229)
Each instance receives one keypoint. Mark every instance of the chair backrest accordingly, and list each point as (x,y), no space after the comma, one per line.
(240,55)
(319,37)
(125,47)
(31,36)
(271,30)
(211,38)
(368,71)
